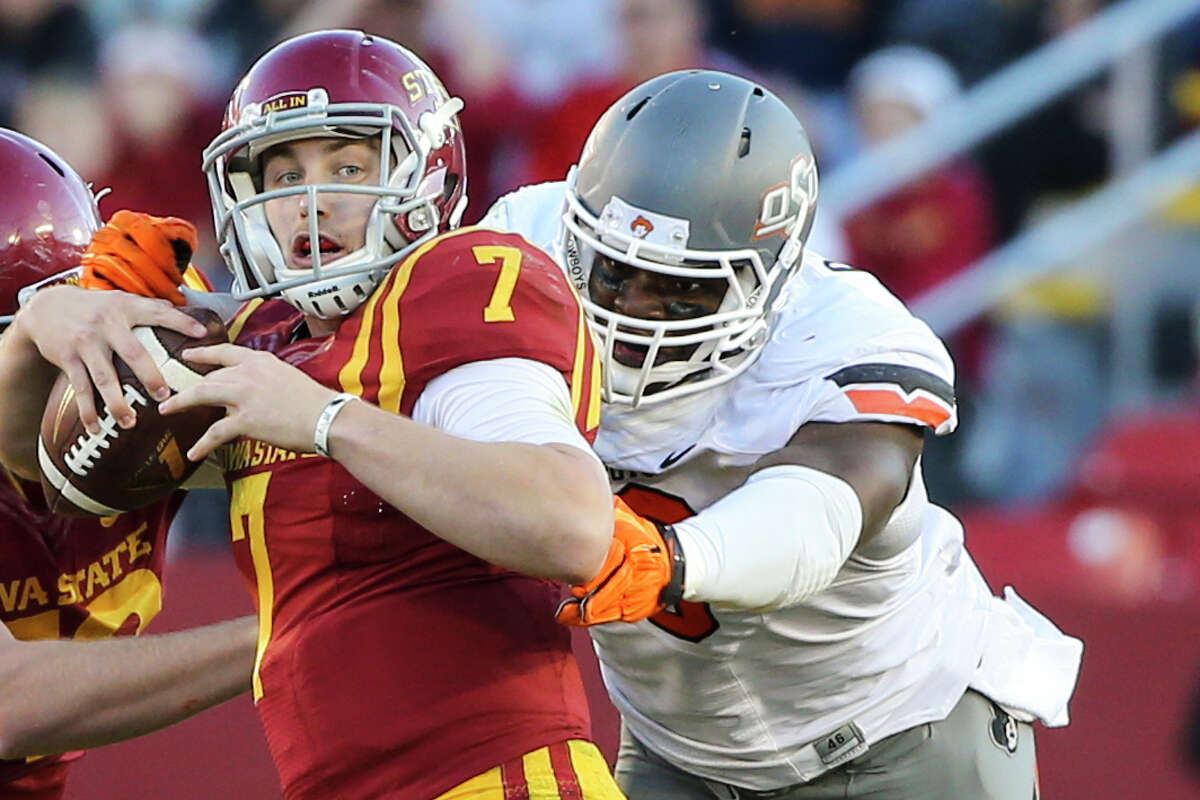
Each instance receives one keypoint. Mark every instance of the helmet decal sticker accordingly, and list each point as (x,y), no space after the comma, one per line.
(784,204)
(285,102)
(641,227)
(655,229)
(68,277)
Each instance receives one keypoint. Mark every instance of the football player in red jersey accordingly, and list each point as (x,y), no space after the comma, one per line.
(79,579)
(406,444)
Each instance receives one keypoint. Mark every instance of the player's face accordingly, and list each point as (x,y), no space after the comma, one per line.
(650,295)
(341,216)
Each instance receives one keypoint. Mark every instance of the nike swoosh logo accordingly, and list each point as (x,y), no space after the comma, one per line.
(673,457)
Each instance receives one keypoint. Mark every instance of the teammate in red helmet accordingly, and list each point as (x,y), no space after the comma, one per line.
(70,580)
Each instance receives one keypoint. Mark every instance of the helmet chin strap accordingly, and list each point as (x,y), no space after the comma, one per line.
(351,290)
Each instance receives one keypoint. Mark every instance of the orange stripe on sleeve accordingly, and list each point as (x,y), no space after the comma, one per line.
(885,401)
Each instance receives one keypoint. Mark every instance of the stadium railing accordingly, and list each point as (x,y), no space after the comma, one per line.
(1124,38)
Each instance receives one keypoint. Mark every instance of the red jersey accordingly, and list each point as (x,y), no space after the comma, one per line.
(391,663)
(63,578)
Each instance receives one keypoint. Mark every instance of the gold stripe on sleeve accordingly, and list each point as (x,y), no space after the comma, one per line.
(391,372)
(193,280)
(593,415)
(242,317)
(350,376)
(577,366)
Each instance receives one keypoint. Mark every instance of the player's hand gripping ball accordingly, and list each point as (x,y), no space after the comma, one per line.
(118,469)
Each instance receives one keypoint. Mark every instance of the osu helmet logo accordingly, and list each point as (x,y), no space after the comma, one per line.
(786,203)
(641,227)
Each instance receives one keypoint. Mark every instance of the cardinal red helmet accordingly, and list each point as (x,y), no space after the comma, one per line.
(47,219)
(340,84)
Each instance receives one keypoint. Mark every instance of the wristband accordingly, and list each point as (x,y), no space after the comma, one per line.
(325,421)
(672,593)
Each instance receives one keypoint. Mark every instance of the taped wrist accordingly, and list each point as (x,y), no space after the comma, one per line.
(773,542)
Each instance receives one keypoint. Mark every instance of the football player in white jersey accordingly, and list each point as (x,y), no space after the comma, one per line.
(792,618)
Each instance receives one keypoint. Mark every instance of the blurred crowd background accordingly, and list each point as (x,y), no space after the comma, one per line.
(1076,467)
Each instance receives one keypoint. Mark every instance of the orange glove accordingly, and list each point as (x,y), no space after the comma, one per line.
(642,575)
(140,254)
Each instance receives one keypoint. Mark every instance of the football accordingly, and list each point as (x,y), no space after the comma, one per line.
(119,470)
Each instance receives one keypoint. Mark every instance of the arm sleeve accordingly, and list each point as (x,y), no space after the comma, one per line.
(502,400)
(773,542)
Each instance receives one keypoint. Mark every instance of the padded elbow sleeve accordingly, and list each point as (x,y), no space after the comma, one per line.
(771,543)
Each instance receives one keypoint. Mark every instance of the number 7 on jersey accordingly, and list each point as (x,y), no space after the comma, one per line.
(498,308)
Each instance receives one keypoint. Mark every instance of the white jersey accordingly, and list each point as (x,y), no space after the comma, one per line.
(765,700)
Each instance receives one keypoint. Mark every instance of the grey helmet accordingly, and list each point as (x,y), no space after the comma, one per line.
(694,174)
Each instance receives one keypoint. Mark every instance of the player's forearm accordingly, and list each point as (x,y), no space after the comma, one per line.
(543,510)
(25,381)
(61,695)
